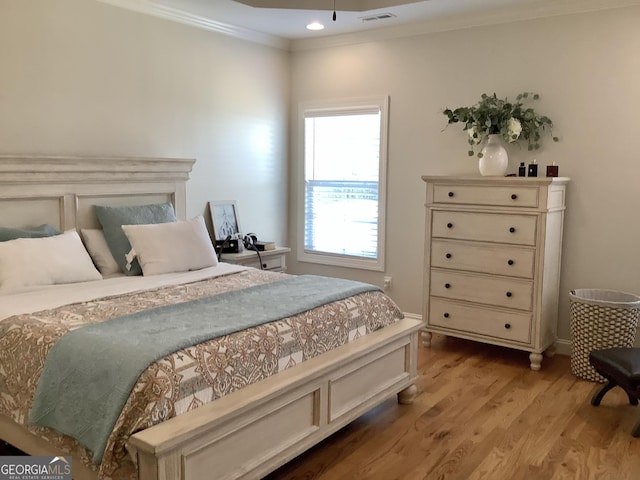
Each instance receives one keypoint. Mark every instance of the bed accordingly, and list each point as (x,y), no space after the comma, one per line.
(247,427)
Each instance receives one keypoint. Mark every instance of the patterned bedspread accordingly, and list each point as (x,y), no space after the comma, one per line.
(190,377)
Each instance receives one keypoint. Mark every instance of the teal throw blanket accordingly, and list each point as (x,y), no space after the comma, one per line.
(90,372)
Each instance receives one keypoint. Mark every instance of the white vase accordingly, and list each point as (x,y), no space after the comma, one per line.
(494,161)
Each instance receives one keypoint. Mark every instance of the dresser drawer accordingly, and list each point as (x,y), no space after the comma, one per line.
(512,326)
(487,227)
(498,291)
(481,195)
(484,258)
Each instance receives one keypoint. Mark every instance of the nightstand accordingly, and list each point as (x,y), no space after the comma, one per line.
(272,260)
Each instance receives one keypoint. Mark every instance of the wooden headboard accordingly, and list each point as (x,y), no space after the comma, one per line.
(61,191)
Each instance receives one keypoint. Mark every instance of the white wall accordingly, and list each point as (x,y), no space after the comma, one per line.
(79,77)
(586,68)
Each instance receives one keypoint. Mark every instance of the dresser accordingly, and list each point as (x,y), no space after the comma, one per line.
(273,260)
(492,260)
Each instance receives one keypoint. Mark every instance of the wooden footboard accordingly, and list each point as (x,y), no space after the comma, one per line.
(251,432)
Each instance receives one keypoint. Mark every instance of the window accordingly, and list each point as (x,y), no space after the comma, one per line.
(344,173)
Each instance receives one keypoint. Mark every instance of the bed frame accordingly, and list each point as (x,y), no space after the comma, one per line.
(248,433)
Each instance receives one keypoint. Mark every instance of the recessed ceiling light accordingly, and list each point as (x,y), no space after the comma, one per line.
(315,26)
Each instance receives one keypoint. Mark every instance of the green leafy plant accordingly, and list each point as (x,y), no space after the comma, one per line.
(513,121)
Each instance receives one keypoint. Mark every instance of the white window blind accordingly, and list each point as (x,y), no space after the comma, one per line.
(344,170)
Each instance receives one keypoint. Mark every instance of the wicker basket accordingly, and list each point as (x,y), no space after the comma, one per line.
(600,319)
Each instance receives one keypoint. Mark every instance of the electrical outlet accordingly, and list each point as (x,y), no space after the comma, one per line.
(387,283)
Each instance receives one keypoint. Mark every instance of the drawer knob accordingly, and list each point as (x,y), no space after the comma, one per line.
(446,315)
(448,255)
(451,194)
(507,326)
(510,262)
(509,294)
(264,265)
(449,225)
(512,229)
(514,196)
(447,285)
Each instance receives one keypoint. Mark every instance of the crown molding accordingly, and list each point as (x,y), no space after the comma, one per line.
(460,22)
(435,25)
(150,8)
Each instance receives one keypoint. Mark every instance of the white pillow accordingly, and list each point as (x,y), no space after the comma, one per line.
(172,247)
(45,261)
(99,250)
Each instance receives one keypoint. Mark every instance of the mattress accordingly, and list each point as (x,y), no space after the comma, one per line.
(34,319)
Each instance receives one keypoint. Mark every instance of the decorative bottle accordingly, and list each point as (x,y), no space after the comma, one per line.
(522,170)
(533,169)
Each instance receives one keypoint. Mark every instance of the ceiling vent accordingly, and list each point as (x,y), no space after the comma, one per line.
(380,16)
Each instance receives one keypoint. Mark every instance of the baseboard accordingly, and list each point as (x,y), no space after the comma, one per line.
(563,347)
(413,316)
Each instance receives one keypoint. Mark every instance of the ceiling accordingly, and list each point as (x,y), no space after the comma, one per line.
(276,19)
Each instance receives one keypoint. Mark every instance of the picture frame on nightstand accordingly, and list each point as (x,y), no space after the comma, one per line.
(224,219)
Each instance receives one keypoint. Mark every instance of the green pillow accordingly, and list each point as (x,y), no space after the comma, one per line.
(45,230)
(112,219)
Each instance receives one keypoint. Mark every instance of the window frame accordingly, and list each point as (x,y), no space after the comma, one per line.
(345,106)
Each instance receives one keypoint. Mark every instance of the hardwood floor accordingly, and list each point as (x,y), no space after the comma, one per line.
(481,413)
